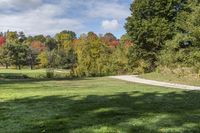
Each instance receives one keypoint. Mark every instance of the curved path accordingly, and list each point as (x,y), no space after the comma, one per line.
(136,79)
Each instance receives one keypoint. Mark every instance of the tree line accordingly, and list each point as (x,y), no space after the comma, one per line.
(88,55)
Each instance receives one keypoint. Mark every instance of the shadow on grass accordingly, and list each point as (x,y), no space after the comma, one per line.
(32,80)
(128,112)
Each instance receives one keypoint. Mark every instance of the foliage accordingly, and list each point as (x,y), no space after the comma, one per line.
(5,58)
(2,40)
(18,54)
(183,49)
(43,59)
(32,58)
(91,57)
(50,73)
(50,43)
(119,60)
(150,25)
(12,37)
(88,55)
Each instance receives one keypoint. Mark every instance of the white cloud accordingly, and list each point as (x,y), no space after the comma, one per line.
(110,25)
(109,10)
(41,20)
(19,4)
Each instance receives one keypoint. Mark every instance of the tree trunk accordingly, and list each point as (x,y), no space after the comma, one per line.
(6,66)
(19,67)
(31,66)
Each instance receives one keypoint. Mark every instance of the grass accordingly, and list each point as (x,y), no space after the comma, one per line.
(172,78)
(28,73)
(96,105)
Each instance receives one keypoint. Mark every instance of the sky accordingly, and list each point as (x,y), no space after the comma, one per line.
(52,16)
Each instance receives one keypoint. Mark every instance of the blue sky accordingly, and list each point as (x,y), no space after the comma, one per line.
(51,16)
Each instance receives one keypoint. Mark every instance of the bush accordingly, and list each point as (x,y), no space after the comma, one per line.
(50,73)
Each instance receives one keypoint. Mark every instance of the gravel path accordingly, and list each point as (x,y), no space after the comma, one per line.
(132,78)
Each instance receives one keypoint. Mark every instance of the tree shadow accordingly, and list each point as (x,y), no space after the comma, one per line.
(36,80)
(123,112)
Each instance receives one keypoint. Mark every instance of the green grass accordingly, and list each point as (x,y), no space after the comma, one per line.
(172,78)
(96,105)
(28,73)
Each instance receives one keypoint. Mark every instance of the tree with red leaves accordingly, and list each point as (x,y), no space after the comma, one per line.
(110,40)
(2,40)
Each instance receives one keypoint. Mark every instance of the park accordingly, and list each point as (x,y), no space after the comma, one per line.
(98,104)
(136,72)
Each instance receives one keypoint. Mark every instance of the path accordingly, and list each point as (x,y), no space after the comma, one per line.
(136,79)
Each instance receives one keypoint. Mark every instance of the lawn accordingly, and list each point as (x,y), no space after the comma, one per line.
(172,78)
(28,73)
(96,105)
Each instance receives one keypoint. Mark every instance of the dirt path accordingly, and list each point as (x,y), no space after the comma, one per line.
(132,78)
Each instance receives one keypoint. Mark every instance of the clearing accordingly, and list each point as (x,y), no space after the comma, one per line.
(96,105)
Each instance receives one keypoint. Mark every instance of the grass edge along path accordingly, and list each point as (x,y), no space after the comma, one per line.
(136,79)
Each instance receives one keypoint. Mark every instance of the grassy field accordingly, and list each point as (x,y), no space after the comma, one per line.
(172,78)
(28,73)
(96,105)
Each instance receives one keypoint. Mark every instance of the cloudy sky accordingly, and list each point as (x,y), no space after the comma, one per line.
(51,16)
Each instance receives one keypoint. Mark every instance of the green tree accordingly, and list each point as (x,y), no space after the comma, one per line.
(18,54)
(183,49)
(50,43)
(150,25)
(32,58)
(5,58)
(40,38)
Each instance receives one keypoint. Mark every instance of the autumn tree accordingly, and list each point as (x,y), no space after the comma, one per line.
(64,38)
(92,59)
(2,40)
(40,38)
(12,37)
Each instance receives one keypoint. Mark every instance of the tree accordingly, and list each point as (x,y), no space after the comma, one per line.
(5,58)
(21,37)
(110,40)
(150,25)
(43,58)
(18,54)
(183,49)
(126,40)
(32,58)
(65,38)
(119,59)
(72,35)
(2,40)
(40,38)
(12,37)
(92,57)
(38,46)
(50,43)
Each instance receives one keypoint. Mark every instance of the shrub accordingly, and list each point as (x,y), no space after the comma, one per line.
(50,73)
